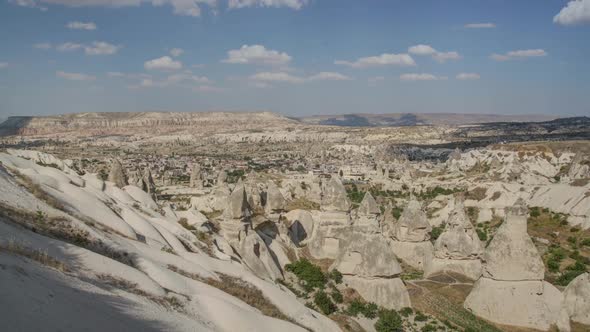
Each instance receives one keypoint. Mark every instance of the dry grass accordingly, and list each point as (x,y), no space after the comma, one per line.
(168,302)
(580,182)
(302,204)
(240,289)
(18,249)
(62,229)
(477,194)
(37,191)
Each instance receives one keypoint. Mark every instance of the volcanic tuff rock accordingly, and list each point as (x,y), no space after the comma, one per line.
(411,236)
(334,197)
(576,299)
(117,174)
(458,248)
(512,290)
(274,198)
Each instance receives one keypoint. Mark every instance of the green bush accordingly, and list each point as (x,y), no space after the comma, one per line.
(436,232)
(429,328)
(310,275)
(336,295)
(336,276)
(323,302)
(406,312)
(389,321)
(356,307)
(535,212)
(420,317)
(371,310)
(482,234)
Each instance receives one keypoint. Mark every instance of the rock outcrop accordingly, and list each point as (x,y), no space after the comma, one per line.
(274,200)
(196,180)
(576,299)
(117,174)
(369,265)
(458,248)
(411,235)
(511,290)
(334,197)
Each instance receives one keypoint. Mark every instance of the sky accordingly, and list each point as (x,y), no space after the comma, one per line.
(295,57)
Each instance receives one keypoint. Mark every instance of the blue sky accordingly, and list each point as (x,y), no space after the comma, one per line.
(296,57)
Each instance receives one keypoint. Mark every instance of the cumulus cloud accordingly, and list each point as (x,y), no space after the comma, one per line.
(467,76)
(385,59)
(444,56)
(518,54)
(293,4)
(479,26)
(257,54)
(101,48)
(575,12)
(328,76)
(81,25)
(422,49)
(163,63)
(67,47)
(180,7)
(420,77)
(263,79)
(276,77)
(176,52)
(75,76)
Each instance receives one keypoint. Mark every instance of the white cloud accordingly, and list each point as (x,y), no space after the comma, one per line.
(81,25)
(42,46)
(176,52)
(263,79)
(527,53)
(329,76)
(67,47)
(180,7)
(467,76)
(421,49)
(420,77)
(207,88)
(479,26)
(3,65)
(518,54)
(101,48)
(75,76)
(180,79)
(163,63)
(257,54)
(444,56)
(293,4)
(575,12)
(276,77)
(380,60)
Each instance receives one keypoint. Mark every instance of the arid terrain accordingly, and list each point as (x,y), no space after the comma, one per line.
(261,222)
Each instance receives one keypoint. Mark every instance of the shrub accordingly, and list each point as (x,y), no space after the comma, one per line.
(311,275)
(389,321)
(436,232)
(482,234)
(406,312)
(535,212)
(323,302)
(585,242)
(356,307)
(371,310)
(336,276)
(420,317)
(429,328)
(336,296)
